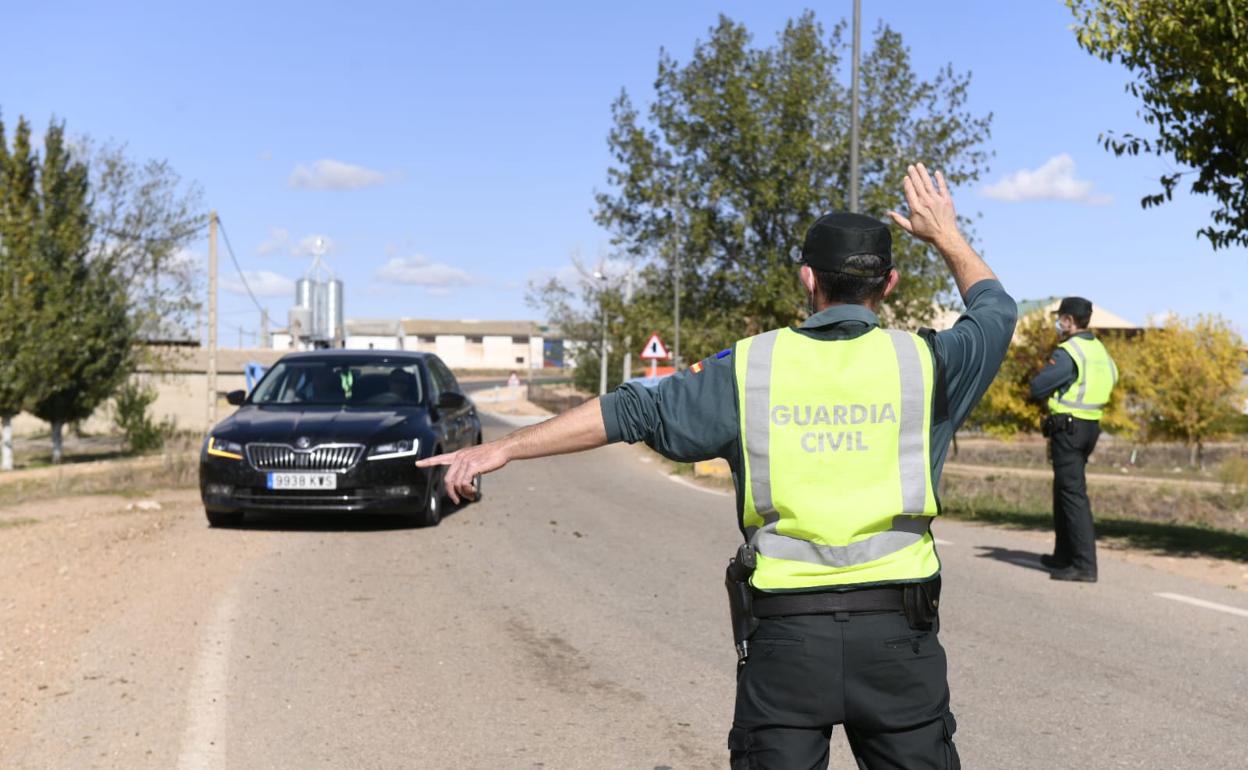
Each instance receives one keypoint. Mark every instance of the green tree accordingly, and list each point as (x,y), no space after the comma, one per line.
(1190,61)
(743,147)
(19,215)
(86,339)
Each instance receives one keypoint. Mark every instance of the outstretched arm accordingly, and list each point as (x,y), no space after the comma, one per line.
(933,219)
(576,430)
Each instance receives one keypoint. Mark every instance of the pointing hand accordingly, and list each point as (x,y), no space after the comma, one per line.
(466,465)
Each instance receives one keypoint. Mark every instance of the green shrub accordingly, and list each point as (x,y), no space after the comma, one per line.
(132,415)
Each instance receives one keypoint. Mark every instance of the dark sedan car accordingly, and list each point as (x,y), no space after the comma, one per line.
(338,431)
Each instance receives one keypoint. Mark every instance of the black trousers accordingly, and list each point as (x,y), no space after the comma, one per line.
(1075,534)
(884,681)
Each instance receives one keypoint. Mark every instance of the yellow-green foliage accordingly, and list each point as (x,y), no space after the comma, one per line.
(1184,379)
(1181,381)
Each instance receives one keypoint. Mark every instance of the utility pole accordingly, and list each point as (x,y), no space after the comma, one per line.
(212,319)
(265,342)
(853,107)
(678,212)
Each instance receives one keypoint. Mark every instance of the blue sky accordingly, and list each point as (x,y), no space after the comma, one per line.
(450,152)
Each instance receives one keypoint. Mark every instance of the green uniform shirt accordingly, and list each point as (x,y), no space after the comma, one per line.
(693,416)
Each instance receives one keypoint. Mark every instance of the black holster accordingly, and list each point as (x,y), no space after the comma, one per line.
(921,604)
(1057,423)
(740,600)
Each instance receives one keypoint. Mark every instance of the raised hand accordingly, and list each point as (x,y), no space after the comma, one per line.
(932,216)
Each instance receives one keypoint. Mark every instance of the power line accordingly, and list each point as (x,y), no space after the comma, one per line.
(230,250)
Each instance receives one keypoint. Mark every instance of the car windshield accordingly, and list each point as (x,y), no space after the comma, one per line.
(340,383)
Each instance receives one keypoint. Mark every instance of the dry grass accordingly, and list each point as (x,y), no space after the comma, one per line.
(131,478)
(1161,519)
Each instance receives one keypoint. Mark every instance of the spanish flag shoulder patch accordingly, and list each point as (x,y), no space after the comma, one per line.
(696,368)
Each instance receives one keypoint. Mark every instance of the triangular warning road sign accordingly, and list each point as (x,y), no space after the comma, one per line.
(654,349)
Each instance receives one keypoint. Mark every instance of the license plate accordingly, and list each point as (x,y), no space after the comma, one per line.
(303,481)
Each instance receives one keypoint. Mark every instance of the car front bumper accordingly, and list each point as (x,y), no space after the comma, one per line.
(370,486)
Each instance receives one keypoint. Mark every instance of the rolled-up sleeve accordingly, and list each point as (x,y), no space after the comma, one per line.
(972,351)
(689,416)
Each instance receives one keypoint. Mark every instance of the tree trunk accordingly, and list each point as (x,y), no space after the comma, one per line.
(6,443)
(58,428)
(1193,452)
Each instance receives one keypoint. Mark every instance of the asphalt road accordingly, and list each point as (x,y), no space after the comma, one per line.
(576,618)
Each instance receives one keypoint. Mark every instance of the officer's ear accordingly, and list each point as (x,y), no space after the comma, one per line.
(893,279)
(807,277)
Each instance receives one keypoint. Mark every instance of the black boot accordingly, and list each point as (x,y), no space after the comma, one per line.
(1052,562)
(1071,573)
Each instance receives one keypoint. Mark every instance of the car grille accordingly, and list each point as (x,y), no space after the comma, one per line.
(283,457)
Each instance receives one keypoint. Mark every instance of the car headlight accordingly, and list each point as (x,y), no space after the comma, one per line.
(231,450)
(405,448)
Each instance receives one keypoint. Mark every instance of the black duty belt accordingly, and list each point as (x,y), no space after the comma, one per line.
(888,599)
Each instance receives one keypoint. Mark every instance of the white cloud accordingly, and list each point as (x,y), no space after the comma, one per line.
(306,246)
(264,283)
(329,174)
(278,240)
(418,270)
(1055,180)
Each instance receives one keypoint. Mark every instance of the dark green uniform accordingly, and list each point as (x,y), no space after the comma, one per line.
(897,717)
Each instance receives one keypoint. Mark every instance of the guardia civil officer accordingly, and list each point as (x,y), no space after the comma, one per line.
(836,432)
(1077,382)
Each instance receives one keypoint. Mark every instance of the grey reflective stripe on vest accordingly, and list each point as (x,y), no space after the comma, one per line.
(758,422)
(911,459)
(906,531)
(1082,376)
(911,462)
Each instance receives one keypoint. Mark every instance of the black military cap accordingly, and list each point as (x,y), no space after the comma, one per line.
(833,238)
(1076,307)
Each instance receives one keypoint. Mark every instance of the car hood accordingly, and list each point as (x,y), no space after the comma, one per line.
(320,425)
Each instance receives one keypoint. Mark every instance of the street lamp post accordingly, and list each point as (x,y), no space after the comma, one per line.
(602,356)
(676,307)
(628,338)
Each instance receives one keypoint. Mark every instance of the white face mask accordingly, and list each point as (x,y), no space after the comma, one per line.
(1061,332)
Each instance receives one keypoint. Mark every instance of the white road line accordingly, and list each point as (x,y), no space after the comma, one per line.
(203,743)
(1202,603)
(691,485)
(942,542)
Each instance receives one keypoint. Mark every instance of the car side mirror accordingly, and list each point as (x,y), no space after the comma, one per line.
(236,397)
(451,400)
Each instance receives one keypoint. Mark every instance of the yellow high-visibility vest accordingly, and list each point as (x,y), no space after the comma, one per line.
(1095,378)
(837,445)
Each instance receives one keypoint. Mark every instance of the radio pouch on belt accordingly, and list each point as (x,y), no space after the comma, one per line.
(921,604)
(740,601)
